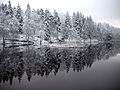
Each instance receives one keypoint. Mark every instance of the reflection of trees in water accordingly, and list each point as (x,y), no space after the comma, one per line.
(12,65)
(43,61)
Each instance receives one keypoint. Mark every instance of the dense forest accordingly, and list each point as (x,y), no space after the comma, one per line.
(41,25)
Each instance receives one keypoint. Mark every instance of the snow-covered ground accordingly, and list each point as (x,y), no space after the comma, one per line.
(70,44)
(66,45)
(36,42)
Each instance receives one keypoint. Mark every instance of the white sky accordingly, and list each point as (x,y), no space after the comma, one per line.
(100,10)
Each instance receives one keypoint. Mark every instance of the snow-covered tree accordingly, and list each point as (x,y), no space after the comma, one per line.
(10,9)
(67,25)
(12,22)
(64,32)
(42,26)
(42,14)
(99,35)
(48,22)
(27,22)
(89,28)
(73,19)
(3,22)
(19,17)
(78,23)
(9,25)
(51,27)
(57,23)
(13,28)
(28,12)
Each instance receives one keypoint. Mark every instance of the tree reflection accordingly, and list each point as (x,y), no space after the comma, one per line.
(14,62)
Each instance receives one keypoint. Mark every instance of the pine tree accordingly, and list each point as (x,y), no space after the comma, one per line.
(9,23)
(89,28)
(12,22)
(27,22)
(56,22)
(73,20)
(3,24)
(78,24)
(42,14)
(28,12)
(47,21)
(41,32)
(68,26)
(19,17)
(64,32)
(99,35)
(10,9)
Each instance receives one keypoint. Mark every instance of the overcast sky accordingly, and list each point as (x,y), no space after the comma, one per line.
(100,10)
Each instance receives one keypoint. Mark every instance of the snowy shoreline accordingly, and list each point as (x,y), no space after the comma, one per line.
(18,43)
(36,43)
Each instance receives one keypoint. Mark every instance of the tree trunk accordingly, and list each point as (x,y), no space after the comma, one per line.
(90,41)
(3,40)
(13,39)
(84,41)
(57,36)
(40,41)
(28,38)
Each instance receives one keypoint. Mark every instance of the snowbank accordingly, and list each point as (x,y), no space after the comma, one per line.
(66,45)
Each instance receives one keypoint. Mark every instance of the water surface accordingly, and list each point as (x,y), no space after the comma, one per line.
(28,68)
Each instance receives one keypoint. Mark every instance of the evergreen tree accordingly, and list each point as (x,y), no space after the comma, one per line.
(57,23)
(73,20)
(19,17)
(64,32)
(42,26)
(89,28)
(28,12)
(9,23)
(12,22)
(68,26)
(3,22)
(42,15)
(78,23)
(47,22)
(10,9)
(27,22)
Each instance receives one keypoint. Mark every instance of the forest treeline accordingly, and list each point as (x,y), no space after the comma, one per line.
(51,27)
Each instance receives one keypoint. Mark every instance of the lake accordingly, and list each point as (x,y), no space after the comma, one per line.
(96,67)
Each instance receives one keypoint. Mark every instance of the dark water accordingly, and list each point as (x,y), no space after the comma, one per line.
(96,67)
